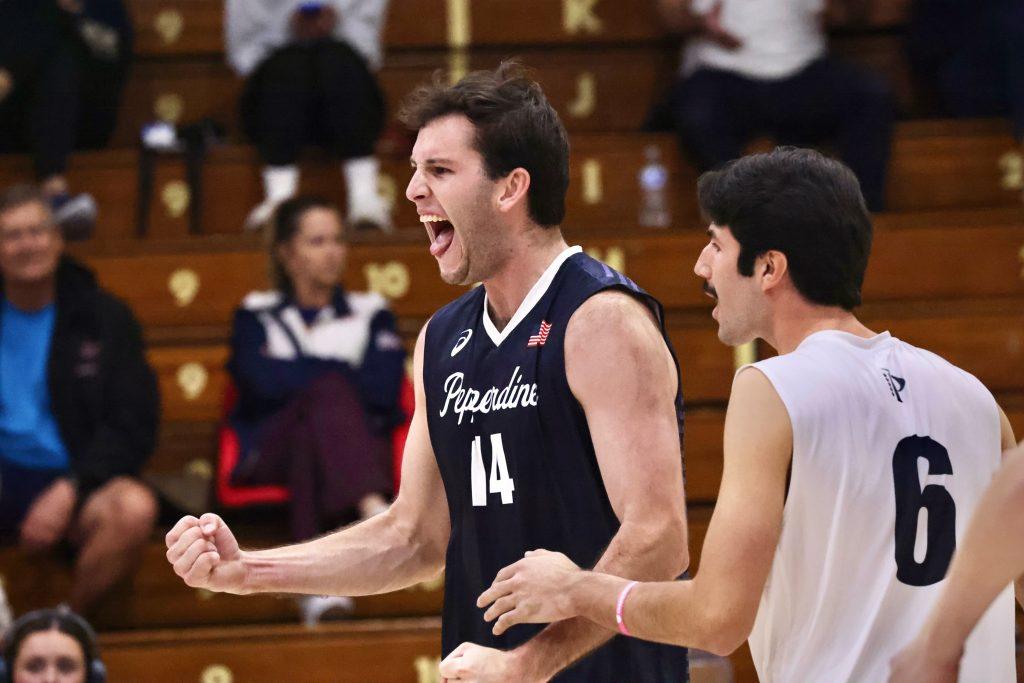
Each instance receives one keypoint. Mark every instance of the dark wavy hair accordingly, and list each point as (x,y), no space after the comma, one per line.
(803,204)
(516,127)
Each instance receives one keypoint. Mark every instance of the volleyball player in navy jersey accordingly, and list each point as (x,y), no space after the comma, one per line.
(548,411)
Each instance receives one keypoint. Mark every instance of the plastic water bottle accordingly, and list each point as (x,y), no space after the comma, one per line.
(653,178)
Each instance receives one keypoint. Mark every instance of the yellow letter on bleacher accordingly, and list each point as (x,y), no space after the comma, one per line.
(613,257)
(217,673)
(427,669)
(578,17)
(586,96)
(593,188)
(1012,166)
(169,24)
(184,286)
(176,198)
(192,379)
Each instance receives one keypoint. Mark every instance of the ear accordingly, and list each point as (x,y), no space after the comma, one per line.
(512,189)
(773,269)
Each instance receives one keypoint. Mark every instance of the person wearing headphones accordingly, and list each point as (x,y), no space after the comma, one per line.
(51,646)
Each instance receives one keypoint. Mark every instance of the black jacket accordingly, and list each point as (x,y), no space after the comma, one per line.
(103,393)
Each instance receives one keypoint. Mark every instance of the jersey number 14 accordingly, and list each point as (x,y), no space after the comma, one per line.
(500,482)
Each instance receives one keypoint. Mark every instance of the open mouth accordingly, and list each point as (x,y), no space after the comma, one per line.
(440,231)
(710,291)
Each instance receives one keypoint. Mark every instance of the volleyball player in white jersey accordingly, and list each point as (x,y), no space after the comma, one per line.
(819,550)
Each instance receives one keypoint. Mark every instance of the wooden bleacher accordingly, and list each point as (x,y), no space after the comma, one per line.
(947,272)
(936,165)
(193,285)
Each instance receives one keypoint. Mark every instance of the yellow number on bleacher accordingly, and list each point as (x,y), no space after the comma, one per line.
(169,107)
(390,279)
(217,673)
(458,65)
(578,17)
(427,669)
(176,198)
(192,380)
(593,188)
(1012,166)
(615,257)
(184,286)
(586,96)
(169,25)
(200,468)
(459,24)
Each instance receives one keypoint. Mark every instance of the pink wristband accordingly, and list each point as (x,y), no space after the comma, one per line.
(621,603)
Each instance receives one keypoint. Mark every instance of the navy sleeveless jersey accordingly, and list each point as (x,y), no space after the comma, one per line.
(518,464)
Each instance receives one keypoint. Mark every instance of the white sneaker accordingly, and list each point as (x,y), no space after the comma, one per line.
(314,608)
(260,216)
(370,214)
(75,214)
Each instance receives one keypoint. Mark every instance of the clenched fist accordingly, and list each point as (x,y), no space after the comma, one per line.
(205,554)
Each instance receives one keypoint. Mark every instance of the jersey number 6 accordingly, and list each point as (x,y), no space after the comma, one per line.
(500,481)
(910,499)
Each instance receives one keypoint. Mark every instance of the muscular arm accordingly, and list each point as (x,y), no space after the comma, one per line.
(393,550)
(622,374)
(715,611)
(983,566)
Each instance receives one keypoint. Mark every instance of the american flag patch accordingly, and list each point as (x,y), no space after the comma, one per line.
(541,336)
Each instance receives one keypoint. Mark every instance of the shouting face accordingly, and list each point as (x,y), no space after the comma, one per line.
(457,202)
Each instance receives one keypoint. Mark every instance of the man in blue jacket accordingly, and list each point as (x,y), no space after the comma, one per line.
(79,405)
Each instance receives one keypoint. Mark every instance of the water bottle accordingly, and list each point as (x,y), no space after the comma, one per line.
(653,177)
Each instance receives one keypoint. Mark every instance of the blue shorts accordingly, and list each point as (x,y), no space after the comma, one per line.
(19,487)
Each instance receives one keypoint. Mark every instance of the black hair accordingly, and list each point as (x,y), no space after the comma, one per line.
(61,619)
(803,204)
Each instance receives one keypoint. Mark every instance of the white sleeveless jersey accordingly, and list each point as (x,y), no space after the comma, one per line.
(892,449)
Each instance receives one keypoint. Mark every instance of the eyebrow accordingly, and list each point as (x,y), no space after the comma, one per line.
(432,162)
(711,233)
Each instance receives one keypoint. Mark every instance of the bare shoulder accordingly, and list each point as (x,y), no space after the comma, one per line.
(614,340)
(756,412)
(608,311)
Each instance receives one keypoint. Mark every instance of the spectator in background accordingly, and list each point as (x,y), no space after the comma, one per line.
(63,64)
(78,405)
(309,79)
(318,372)
(763,68)
(972,53)
(52,646)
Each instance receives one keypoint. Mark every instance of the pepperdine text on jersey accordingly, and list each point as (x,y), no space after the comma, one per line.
(516,394)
